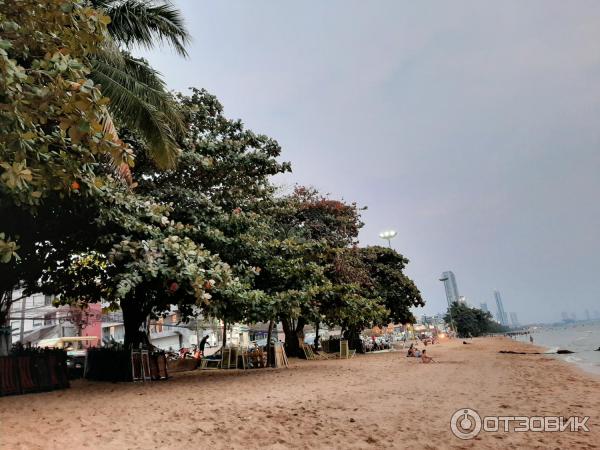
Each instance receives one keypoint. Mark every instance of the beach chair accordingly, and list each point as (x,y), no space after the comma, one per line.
(308,352)
(345,352)
(226,362)
(205,363)
(311,354)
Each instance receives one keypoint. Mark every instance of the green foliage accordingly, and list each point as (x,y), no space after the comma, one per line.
(398,293)
(53,141)
(52,114)
(145,23)
(208,235)
(471,321)
(139,98)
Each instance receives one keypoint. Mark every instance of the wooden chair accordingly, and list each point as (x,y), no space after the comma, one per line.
(345,352)
(205,364)
(308,352)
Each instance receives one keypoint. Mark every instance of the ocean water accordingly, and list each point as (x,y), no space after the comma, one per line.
(581,338)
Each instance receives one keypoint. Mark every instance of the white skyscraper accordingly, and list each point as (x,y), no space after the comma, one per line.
(502,317)
(449,280)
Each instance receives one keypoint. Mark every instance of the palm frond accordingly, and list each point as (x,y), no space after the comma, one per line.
(139,101)
(145,23)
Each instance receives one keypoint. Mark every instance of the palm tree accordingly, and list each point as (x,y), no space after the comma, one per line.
(139,97)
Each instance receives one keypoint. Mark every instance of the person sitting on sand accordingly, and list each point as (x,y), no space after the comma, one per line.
(418,353)
(426,358)
(411,351)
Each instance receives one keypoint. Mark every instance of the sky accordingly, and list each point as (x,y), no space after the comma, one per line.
(469,127)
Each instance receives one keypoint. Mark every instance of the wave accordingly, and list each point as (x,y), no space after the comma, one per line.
(552,350)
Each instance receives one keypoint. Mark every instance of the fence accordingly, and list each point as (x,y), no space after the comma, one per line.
(115,364)
(33,371)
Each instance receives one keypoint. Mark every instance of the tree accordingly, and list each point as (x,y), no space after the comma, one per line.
(220,190)
(198,204)
(471,322)
(398,293)
(139,97)
(53,143)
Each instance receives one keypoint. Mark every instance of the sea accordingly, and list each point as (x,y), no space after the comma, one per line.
(582,338)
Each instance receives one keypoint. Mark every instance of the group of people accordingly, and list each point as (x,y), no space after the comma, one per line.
(414,352)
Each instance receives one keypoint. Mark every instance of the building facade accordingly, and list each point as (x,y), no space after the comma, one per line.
(502,317)
(450,286)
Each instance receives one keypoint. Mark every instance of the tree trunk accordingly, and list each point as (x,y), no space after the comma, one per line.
(269,355)
(134,321)
(293,336)
(5,328)
(224,333)
(354,341)
(316,343)
(5,339)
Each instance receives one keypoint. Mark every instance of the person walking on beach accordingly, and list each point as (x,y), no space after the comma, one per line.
(531,339)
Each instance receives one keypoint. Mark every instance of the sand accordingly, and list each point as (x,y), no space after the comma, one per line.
(378,401)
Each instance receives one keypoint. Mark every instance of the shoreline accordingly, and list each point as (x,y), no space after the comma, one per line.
(381,400)
(587,366)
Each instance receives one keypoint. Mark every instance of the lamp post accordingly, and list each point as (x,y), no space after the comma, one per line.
(388,235)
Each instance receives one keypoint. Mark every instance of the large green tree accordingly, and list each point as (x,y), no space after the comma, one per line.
(398,293)
(54,147)
(209,204)
(471,322)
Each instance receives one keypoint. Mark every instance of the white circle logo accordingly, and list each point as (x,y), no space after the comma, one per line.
(465,423)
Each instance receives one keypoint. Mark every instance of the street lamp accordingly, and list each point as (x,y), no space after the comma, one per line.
(388,235)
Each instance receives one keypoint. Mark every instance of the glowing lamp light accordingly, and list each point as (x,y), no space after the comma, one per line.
(388,234)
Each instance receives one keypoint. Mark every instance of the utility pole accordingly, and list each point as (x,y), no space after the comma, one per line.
(21,330)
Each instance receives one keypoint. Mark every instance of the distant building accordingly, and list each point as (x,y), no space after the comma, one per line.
(573,316)
(484,307)
(565,316)
(34,317)
(587,315)
(502,317)
(450,286)
(514,320)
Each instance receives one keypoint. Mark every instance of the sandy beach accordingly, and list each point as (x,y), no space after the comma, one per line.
(380,400)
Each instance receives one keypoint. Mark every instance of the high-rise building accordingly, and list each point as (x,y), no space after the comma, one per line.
(565,316)
(502,317)
(484,307)
(587,315)
(514,320)
(449,280)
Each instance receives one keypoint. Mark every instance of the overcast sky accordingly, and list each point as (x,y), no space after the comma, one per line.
(470,127)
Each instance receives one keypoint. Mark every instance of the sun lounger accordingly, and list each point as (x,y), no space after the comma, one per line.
(205,363)
(345,352)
